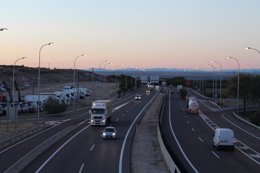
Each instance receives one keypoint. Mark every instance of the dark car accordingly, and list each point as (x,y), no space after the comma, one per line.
(109,133)
(137,97)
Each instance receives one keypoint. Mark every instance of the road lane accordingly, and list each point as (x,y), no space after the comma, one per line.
(191,130)
(105,154)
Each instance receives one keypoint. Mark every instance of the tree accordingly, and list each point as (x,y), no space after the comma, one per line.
(248,87)
(53,106)
(177,81)
(125,83)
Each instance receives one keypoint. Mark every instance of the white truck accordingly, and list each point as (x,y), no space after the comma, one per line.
(223,138)
(193,105)
(100,112)
(179,87)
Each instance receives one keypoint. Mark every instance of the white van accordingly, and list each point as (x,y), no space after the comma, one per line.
(223,138)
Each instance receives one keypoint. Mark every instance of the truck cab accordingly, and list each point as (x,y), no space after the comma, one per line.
(100,112)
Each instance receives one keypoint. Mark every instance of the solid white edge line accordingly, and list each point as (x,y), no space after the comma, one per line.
(127,134)
(193,167)
(40,168)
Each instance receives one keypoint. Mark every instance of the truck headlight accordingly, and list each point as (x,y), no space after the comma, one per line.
(91,121)
(114,134)
(104,134)
(103,121)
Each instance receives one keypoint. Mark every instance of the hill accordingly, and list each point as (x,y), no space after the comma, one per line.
(28,76)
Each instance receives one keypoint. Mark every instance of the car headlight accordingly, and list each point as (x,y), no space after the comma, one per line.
(104,134)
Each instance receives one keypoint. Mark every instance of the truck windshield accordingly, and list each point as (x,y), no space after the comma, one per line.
(97,111)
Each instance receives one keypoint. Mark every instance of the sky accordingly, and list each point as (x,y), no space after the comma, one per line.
(130,33)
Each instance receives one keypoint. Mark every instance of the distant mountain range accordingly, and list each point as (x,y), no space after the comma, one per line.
(171,70)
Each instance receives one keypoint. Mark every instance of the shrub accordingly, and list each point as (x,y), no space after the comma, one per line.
(255,118)
(53,106)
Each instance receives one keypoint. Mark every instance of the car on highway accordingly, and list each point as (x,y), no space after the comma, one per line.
(148,92)
(223,138)
(138,97)
(109,133)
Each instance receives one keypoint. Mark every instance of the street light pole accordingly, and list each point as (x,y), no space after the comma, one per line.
(2,29)
(201,79)
(14,108)
(213,92)
(250,48)
(100,68)
(14,75)
(39,78)
(74,76)
(107,63)
(238,69)
(220,81)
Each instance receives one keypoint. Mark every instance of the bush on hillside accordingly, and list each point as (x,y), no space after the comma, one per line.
(53,106)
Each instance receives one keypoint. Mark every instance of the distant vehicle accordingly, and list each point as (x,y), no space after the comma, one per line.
(33,101)
(70,92)
(163,83)
(223,138)
(84,92)
(109,133)
(25,107)
(138,97)
(147,92)
(3,108)
(62,97)
(179,87)
(17,107)
(183,93)
(193,105)
(100,112)
(157,87)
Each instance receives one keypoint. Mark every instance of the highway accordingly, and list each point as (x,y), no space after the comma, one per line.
(189,135)
(190,138)
(83,149)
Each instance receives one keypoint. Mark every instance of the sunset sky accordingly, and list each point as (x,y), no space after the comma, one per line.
(136,33)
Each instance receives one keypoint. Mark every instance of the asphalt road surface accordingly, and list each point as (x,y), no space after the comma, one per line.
(84,150)
(191,136)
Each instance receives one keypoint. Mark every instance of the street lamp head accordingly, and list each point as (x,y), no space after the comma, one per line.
(2,29)
(213,61)
(248,48)
(50,43)
(24,57)
(229,57)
